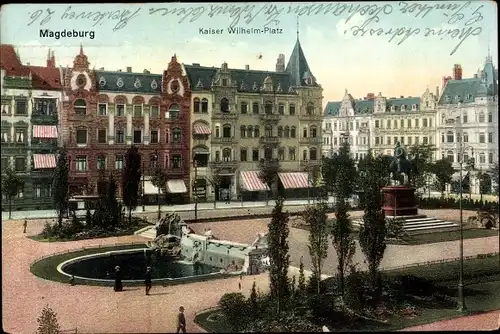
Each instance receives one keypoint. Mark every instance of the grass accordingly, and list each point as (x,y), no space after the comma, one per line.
(47,268)
(429,238)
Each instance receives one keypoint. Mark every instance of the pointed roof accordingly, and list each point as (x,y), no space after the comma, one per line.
(297,66)
(10,61)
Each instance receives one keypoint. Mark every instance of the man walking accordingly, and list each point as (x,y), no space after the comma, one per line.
(25,225)
(181,321)
(147,280)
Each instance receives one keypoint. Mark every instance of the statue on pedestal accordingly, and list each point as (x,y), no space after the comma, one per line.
(401,166)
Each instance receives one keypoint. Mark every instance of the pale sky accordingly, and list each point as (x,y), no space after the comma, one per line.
(368,64)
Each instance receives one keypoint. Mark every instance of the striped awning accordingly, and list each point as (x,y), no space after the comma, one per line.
(150,188)
(250,181)
(176,186)
(201,130)
(296,180)
(44,131)
(43,161)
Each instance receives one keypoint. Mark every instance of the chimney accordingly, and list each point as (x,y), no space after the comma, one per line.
(401,97)
(475,76)
(370,96)
(119,70)
(457,72)
(129,69)
(247,67)
(101,69)
(145,71)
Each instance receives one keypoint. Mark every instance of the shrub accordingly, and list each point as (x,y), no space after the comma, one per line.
(49,231)
(235,309)
(47,322)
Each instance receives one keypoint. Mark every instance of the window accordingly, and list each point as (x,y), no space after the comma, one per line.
(255,154)
(244,108)
(120,110)
(101,162)
(5,163)
(395,140)
(217,156)
(80,107)
(409,140)
(304,155)
(481,117)
(176,136)
(268,131)
(224,82)
(5,135)
(21,107)
(481,138)
(101,136)
(153,161)
(20,135)
(357,125)
(490,117)
(281,154)
(280,131)
(417,121)
(173,111)
(103,109)
(155,112)
(466,137)
(250,131)
(314,131)
(204,105)
(313,153)
(226,131)
(5,109)
(255,108)
(388,123)
(377,123)
(351,126)
(335,126)
(377,141)
(292,132)
(268,153)
(43,191)
(154,137)
(417,139)
(81,163)
(464,118)
(243,154)
(167,137)
(119,162)
(409,123)
(482,158)
(268,107)
(281,109)
(402,140)
(81,136)
(430,122)
(449,137)
(291,109)
(196,105)
(242,131)
(490,158)
(137,136)
(291,153)
(20,193)
(304,132)
(287,131)
(465,157)
(224,105)
(310,109)
(490,137)
(256,132)
(388,140)
(395,124)
(442,137)
(450,156)
(176,161)
(120,136)
(20,164)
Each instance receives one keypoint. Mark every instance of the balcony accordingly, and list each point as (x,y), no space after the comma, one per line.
(44,119)
(222,140)
(270,118)
(200,141)
(304,164)
(45,145)
(311,118)
(311,141)
(225,116)
(224,164)
(269,140)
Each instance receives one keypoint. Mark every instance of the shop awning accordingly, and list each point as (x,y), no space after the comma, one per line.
(201,130)
(250,181)
(150,188)
(44,131)
(44,161)
(176,186)
(296,180)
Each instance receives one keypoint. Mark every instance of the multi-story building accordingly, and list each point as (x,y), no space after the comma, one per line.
(257,115)
(467,121)
(378,123)
(106,112)
(30,102)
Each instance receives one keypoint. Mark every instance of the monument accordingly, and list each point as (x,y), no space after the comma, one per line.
(399,197)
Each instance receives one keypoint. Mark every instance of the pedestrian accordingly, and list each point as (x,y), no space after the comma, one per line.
(147,280)
(118,279)
(239,285)
(25,225)
(181,321)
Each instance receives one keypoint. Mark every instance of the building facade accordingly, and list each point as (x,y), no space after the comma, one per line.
(106,112)
(31,98)
(253,115)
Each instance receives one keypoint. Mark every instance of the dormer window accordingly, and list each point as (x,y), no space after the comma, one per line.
(309,81)
(279,89)
(224,82)
(254,87)
(243,87)
(468,97)
(102,82)
(403,107)
(154,84)
(413,107)
(119,82)
(393,108)
(199,84)
(137,84)
(457,98)
(448,99)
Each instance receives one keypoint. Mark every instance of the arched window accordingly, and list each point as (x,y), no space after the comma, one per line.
(256,132)
(313,153)
(243,131)
(449,137)
(173,111)
(268,131)
(313,130)
(217,131)
(176,136)
(287,131)
(490,117)
(204,105)
(244,108)
(280,131)
(249,131)
(80,107)
(293,132)
(226,154)
(291,109)
(281,109)
(310,108)
(466,137)
(268,107)
(224,105)
(226,131)
(482,158)
(450,156)
(196,105)
(304,155)
(481,117)
(153,161)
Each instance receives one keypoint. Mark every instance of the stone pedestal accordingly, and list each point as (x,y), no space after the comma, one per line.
(399,201)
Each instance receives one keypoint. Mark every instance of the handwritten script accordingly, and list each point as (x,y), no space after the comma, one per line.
(459,21)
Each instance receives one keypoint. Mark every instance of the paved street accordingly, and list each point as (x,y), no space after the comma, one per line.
(485,322)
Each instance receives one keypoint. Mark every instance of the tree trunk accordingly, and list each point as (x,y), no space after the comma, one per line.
(130,215)
(10,207)
(159,207)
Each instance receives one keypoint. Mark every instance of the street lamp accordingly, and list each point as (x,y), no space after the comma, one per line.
(195,165)
(308,181)
(143,190)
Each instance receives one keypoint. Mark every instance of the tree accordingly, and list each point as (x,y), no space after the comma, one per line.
(422,157)
(494,172)
(484,184)
(130,179)
(159,179)
(372,234)
(316,218)
(345,176)
(343,241)
(253,298)
(47,322)
(301,287)
(268,173)
(11,184)
(443,171)
(279,258)
(60,186)
(114,207)
(215,181)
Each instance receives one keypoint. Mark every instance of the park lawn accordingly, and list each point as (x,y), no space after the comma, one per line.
(429,238)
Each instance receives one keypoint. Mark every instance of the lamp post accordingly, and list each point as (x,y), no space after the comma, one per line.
(143,190)
(195,165)
(308,182)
